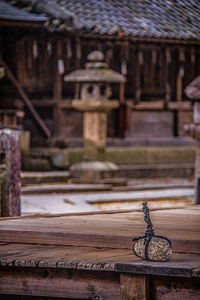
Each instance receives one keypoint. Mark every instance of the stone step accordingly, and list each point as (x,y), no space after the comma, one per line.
(79,188)
(100,201)
(44,177)
(179,170)
(64,188)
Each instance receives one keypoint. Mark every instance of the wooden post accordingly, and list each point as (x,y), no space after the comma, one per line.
(122,111)
(57,89)
(167,77)
(133,287)
(11,185)
(140,62)
(193,62)
(197,174)
(180,75)
(78,64)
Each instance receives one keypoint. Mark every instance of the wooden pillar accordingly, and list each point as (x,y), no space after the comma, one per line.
(78,65)
(180,75)
(57,88)
(109,53)
(140,62)
(122,107)
(133,287)
(193,63)
(20,53)
(179,88)
(197,174)
(11,184)
(167,76)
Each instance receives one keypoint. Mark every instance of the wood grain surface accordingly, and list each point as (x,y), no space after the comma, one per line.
(181,226)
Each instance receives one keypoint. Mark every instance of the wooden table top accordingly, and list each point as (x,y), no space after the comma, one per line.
(101,241)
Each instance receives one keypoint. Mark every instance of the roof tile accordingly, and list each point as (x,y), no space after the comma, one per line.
(174,19)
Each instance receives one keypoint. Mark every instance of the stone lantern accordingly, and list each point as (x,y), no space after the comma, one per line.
(193,92)
(93,99)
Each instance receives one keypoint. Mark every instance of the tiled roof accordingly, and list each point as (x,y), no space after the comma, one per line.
(9,12)
(173,19)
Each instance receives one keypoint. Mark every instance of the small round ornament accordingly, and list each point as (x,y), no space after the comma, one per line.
(150,246)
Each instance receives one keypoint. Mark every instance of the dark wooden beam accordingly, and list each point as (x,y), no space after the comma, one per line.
(142,39)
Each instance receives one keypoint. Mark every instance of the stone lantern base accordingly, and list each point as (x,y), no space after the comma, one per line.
(93,171)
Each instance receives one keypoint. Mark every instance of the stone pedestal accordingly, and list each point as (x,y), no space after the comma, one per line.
(95,129)
(94,169)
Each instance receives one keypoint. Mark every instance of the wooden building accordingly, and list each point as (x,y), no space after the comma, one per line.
(156,44)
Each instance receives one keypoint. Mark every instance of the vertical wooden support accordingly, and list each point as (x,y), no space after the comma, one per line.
(122,105)
(140,62)
(109,53)
(57,89)
(180,74)
(78,64)
(167,77)
(11,185)
(20,53)
(122,112)
(58,73)
(197,174)
(133,287)
(193,62)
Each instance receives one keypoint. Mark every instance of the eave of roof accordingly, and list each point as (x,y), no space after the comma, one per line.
(11,13)
(159,19)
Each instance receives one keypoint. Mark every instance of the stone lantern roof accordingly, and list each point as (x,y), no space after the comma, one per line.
(96,71)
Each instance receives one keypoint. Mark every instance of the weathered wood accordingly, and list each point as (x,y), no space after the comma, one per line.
(11,184)
(98,272)
(180,75)
(167,77)
(60,283)
(151,124)
(100,230)
(133,287)
(57,90)
(26,99)
(175,288)
(95,259)
(140,62)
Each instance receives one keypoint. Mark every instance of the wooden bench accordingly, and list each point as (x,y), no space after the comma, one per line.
(89,256)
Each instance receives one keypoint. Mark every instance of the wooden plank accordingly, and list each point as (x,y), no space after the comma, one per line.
(60,283)
(95,259)
(43,102)
(116,230)
(151,124)
(26,99)
(95,240)
(175,288)
(133,287)
(159,105)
